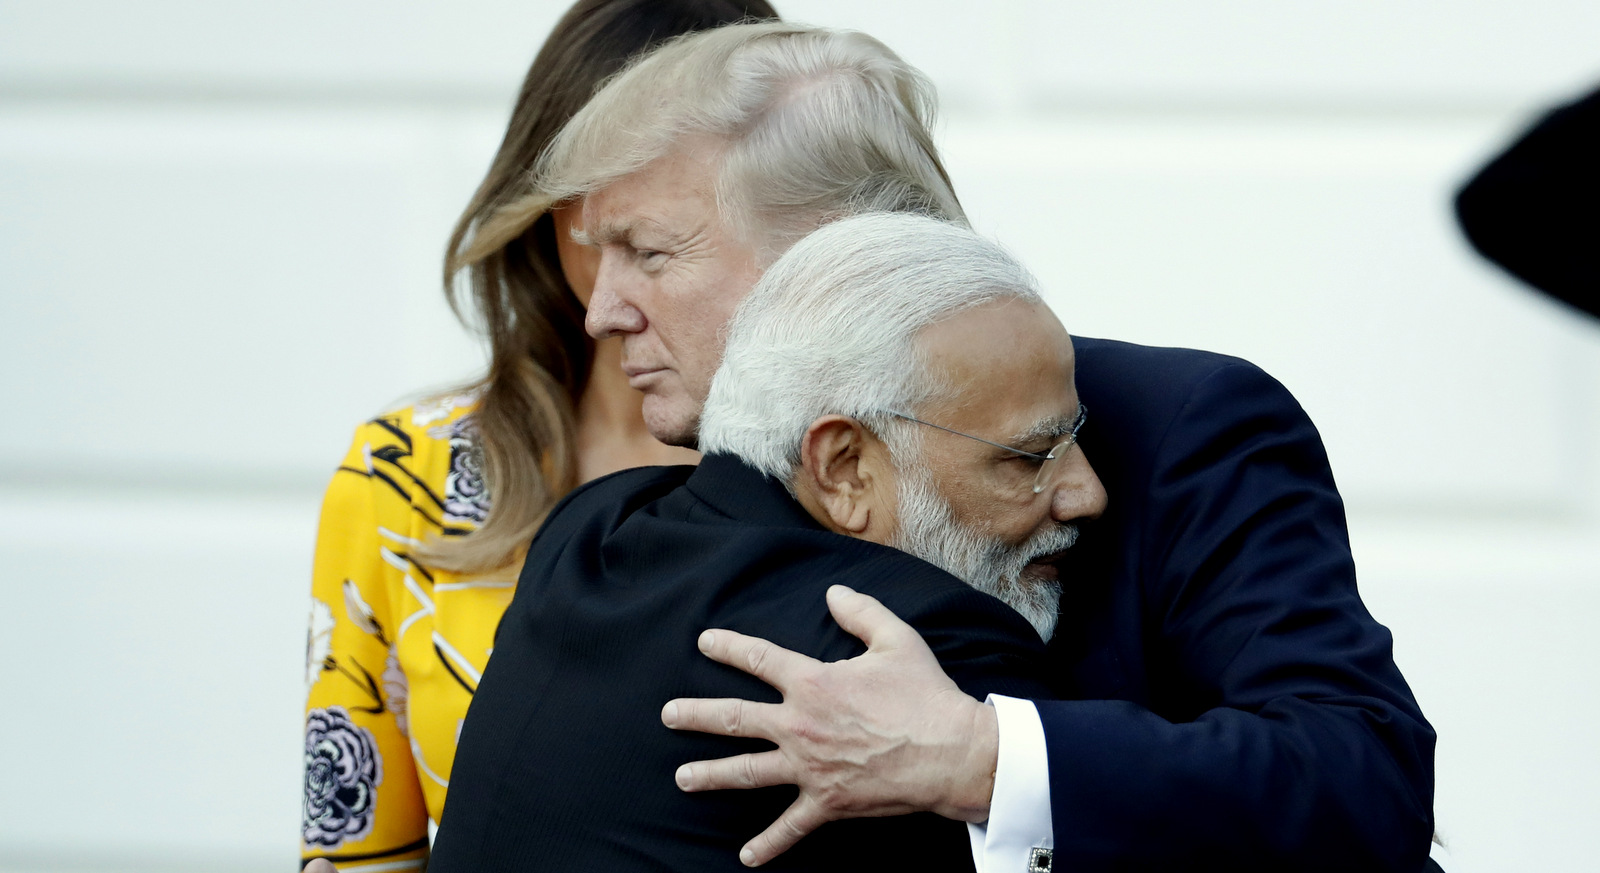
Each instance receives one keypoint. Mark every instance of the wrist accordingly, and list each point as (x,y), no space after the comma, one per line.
(971,785)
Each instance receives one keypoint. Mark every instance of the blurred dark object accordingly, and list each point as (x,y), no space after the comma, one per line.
(1535,209)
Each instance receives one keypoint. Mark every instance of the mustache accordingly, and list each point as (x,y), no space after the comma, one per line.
(1049,544)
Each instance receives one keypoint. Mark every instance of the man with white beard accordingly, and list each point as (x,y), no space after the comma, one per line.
(930,385)
(942,419)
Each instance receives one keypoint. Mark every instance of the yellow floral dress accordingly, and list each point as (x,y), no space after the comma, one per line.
(395,648)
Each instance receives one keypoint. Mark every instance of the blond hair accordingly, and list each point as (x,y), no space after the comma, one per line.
(812,124)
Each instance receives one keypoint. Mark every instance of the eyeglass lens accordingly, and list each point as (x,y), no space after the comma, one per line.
(1052,465)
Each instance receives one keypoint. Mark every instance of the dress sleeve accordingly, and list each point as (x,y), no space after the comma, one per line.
(362,798)
(1308,751)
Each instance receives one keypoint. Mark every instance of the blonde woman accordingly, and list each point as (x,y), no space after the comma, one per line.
(425,521)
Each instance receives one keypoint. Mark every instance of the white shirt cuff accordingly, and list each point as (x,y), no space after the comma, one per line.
(1019,812)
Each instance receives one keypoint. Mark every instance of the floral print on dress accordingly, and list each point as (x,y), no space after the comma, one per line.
(360,614)
(438,408)
(466,496)
(319,641)
(343,772)
(396,690)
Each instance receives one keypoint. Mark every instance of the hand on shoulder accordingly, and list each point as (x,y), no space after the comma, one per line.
(884,733)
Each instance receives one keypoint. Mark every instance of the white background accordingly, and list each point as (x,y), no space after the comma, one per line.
(220,233)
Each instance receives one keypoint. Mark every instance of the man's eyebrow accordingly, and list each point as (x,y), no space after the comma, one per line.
(581,237)
(601,234)
(1053,429)
(606,232)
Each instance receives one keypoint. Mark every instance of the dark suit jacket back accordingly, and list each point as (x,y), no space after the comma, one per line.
(563,763)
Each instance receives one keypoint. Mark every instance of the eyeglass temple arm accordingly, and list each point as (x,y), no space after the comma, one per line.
(969,436)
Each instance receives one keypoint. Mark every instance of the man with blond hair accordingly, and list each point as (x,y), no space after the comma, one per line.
(1232,702)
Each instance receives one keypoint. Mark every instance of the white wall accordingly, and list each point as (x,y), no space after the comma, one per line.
(220,227)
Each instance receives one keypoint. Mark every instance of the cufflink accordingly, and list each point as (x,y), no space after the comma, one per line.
(1039,861)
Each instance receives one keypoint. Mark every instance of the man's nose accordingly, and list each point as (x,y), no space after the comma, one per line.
(610,312)
(1079,496)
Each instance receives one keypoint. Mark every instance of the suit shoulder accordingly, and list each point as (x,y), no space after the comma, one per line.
(614,496)
(632,480)
(1133,364)
(983,645)
(1157,383)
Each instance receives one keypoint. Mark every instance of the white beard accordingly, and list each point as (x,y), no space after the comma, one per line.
(929,530)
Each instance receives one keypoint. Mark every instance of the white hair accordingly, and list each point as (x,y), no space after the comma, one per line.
(811,124)
(832,329)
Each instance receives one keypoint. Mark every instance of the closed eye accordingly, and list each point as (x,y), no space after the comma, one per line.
(1031,460)
(650,259)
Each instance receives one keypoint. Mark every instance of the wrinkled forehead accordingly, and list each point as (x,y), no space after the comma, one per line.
(679,185)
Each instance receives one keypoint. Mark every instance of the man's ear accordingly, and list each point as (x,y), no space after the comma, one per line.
(840,464)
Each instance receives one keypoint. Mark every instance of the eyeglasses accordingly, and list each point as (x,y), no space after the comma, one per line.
(1046,461)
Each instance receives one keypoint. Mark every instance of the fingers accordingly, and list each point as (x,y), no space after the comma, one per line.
(801,818)
(770,663)
(320,865)
(863,617)
(729,717)
(757,770)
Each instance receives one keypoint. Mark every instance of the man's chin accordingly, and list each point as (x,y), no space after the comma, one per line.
(673,421)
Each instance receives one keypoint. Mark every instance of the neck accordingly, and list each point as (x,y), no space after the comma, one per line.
(611,432)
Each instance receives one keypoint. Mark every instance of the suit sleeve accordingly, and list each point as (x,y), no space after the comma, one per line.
(1303,748)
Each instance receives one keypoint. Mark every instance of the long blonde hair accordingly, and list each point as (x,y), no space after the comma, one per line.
(539,355)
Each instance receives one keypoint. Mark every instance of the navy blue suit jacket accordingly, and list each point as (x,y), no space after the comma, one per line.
(1237,706)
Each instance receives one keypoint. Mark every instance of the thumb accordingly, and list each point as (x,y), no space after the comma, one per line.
(868,620)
